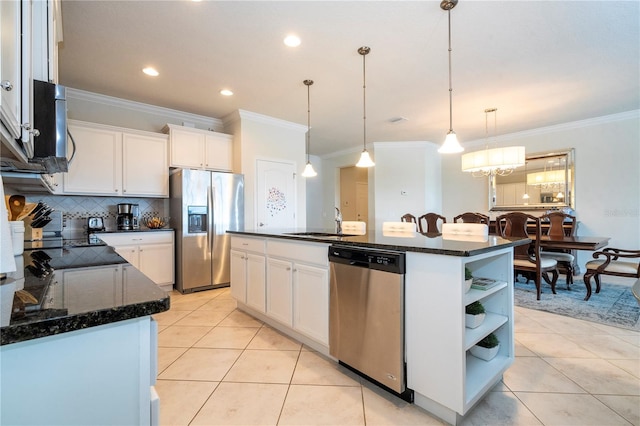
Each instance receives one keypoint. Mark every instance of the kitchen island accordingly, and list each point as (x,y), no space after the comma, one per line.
(77,338)
(282,278)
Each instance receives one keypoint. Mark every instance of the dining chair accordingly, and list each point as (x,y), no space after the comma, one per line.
(470,217)
(410,218)
(560,225)
(614,261)
(526,258)
(430,223)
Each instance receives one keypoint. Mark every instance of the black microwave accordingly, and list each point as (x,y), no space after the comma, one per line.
(50,119)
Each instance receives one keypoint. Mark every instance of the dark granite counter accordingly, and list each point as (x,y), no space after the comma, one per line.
(73,287)
(458,245)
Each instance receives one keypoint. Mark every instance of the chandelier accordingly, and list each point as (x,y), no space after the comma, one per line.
(308,169)
(495,161)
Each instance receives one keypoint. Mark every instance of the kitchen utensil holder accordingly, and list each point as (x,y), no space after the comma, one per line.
(31,234)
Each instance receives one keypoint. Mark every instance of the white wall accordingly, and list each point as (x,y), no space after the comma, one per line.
(407,180)
(258,137)
(607,155)
(314,195)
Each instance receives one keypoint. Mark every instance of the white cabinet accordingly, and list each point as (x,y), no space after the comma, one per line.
(280,294)
(28,50)
(117,162)
(150,252)
(248,271)
(298,287)
(437,341)
(10,66)
(199,149)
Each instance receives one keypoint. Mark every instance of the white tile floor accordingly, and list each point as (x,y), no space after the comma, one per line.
(219,366)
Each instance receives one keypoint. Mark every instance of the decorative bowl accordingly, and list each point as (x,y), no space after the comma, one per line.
(155,222)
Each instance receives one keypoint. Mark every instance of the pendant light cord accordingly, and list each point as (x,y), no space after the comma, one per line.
(308,119)
(364,101)
(450,88)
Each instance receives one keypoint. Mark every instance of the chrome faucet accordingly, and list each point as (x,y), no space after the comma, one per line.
(338,221)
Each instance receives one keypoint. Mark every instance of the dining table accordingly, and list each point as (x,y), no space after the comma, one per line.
(572,242)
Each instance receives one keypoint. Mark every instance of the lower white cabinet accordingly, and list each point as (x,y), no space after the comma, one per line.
(284,281)
(248,271)
(98,375)
(279,296)
(150,252)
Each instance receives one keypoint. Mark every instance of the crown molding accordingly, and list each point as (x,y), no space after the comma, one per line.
(572,125)
(260,118)
(179,116)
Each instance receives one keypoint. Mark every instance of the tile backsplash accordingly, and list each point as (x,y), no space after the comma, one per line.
(76,209)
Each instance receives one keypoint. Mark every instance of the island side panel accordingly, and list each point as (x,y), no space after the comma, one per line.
(437,367)
(434,327)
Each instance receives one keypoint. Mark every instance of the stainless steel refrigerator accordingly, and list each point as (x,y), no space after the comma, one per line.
(203,206)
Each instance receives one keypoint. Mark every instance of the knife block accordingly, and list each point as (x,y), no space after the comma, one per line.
(31,234)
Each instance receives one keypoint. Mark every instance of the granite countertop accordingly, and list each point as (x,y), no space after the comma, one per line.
(69,288)
(458,245)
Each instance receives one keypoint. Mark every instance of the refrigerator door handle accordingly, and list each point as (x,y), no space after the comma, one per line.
(210,222)
(212,219)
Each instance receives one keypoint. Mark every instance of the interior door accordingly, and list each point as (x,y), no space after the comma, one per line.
(276,196)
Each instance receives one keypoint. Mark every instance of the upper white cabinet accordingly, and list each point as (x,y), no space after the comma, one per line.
(31,30)
(11,65)
(117,162)
(199,149)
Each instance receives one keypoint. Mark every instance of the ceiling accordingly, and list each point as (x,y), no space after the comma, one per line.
(540,63)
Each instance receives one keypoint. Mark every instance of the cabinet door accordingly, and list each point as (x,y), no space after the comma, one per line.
(78,299)
(156,262)
(279,290)
(130,254)
(238,276)
(97,165)
(256,281)
(187,148)
(311,302)
(218,152)
(145,165)
(10,94)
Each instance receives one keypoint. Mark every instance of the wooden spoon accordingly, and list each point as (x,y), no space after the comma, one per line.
(16,204)
(28,208)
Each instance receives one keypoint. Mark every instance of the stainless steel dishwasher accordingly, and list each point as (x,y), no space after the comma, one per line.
(366,314)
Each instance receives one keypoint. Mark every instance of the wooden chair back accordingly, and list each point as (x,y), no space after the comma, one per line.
(470,217)
(430,223)
(557,222)
(527,257)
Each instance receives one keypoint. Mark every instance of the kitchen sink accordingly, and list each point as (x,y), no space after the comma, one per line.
(319,234)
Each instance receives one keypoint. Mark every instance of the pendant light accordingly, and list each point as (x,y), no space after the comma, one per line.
(365,159)
(451,144)
(308,169)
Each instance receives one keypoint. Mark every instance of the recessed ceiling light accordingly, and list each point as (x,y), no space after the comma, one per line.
(292,40)
(226,92)
(150,71)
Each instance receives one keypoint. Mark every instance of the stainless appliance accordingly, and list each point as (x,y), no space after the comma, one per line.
(50,119)
(203,206)
(95,224)
(366,315)
(127,217)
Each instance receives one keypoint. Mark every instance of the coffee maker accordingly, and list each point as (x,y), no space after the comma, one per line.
(128,217)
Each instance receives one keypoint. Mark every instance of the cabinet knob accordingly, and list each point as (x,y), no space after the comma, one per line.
(6,85)
(34,132)
(288,269)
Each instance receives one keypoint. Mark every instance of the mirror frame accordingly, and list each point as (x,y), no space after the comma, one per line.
(569,185)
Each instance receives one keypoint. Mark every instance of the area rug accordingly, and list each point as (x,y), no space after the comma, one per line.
(614,305)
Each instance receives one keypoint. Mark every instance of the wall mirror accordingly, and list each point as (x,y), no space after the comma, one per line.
(546,181)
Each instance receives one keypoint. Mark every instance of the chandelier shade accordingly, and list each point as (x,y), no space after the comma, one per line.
(493,160)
